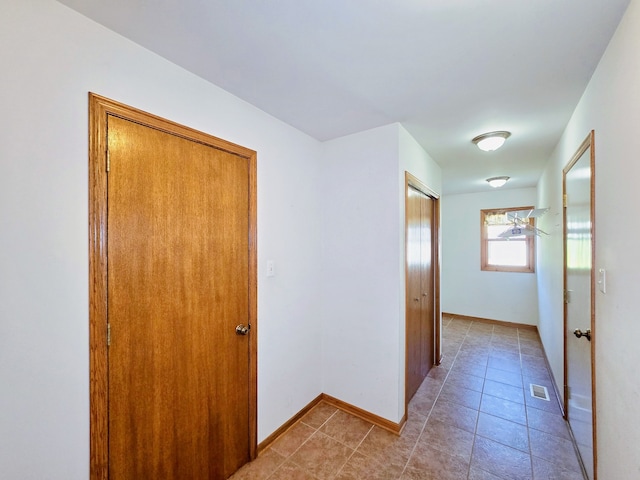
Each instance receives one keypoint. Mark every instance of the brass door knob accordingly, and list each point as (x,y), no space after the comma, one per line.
(242,330)
(579,333)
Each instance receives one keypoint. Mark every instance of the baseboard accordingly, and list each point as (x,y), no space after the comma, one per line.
(366,416)
(554,384)
(494,322)
(345,407)
(288,424)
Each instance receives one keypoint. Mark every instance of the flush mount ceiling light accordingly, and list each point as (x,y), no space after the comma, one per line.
(496,182)
(491,141)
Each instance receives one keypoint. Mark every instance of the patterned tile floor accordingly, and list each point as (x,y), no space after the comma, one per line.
(472,418)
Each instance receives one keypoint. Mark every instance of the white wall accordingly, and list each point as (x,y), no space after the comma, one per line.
(51,57)
(611,107)
(415,160)
(360,291)
(466,289)
(363,265)
(549,266)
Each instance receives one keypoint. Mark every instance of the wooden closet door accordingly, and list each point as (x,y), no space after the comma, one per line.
(420,291)
(426,285)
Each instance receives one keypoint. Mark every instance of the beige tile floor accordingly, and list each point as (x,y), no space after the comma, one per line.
(472,418)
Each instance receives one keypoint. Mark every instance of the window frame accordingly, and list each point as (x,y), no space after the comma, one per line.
(530,267)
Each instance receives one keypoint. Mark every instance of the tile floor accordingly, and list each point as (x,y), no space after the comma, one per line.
(472,418)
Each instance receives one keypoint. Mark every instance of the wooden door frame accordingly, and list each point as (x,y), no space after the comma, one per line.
(99,110)
(412,181)
(588,143)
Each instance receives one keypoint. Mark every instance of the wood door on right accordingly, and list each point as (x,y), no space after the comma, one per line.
(580,332)
(420,289)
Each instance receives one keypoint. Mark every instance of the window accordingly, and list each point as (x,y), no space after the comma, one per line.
(499,254)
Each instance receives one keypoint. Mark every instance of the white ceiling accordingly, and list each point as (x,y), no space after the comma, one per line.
(447,70)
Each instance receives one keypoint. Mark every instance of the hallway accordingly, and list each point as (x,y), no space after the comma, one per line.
(472,418)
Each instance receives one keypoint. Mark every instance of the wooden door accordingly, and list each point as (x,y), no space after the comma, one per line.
(426,285)
(420,291)
(580,302)
(180,278)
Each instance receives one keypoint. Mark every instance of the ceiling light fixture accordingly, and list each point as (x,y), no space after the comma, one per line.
(491,141)
(496,182)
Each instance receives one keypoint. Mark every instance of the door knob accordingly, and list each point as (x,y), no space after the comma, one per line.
(579,333)
(242,330)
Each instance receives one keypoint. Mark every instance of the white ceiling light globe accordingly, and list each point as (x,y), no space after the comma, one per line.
(491,141)
(490,144)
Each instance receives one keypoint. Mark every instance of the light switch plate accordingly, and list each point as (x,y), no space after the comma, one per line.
(271,268)
(602,280)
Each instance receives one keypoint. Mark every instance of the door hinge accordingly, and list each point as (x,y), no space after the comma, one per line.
(108,334)
(108,161)
(567,297)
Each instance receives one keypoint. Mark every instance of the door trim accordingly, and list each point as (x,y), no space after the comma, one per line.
(99,110)
(589,142)
(412,181)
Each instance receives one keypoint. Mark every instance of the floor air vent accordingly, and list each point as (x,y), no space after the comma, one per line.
(538,391)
